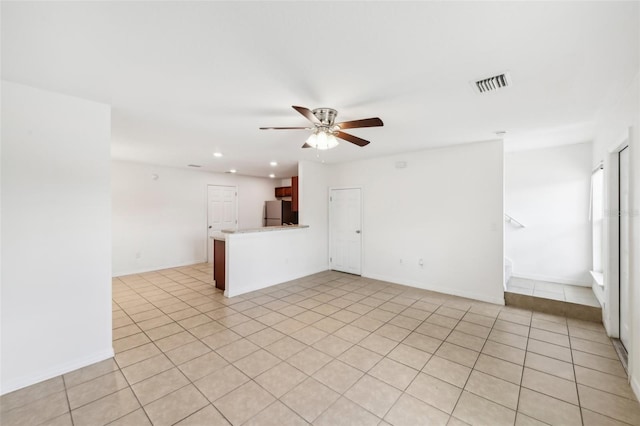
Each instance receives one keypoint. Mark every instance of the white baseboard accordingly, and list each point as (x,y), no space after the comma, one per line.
(445,290)
(37,377)
(635,385)
(598,292)
(550,279)
(156,268)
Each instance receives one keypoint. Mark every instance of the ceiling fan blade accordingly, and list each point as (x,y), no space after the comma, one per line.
(306,145)
(307,113)
(353,139)
(366,122)
(284,128)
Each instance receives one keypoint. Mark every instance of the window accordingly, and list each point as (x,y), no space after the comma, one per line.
(597,217)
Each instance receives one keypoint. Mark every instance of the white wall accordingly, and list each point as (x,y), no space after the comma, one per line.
(162,223)
(548,191)
(617,120)
(445,207)
(313,183)
(56,235)
(275,257)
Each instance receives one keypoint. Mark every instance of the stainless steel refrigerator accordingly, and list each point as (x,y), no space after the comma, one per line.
(278,213)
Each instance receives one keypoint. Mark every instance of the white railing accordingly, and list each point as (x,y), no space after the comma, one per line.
(511,220)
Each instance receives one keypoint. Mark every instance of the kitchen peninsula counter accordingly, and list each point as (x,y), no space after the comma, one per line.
(263,229)
(250,259)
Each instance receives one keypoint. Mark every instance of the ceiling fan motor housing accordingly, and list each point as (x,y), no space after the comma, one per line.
(327,116)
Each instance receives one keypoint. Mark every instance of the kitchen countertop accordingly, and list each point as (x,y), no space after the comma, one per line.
(222,235)
(263,229)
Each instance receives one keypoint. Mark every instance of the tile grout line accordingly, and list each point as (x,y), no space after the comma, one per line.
(342,395)
(66,394)
(473,369)
(331,287)
(174,366)
(380,360)
(573,367)
(131,386)
(385,356)
(418,326)
(524,363)
(467,380)
(190,382)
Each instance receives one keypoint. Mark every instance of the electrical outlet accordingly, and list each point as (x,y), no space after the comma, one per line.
(401,261)
(138,255)
(421,262)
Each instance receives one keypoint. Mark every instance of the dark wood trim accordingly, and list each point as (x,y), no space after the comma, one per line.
(294,194)
(218,263)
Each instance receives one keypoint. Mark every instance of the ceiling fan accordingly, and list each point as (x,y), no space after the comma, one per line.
(326,130)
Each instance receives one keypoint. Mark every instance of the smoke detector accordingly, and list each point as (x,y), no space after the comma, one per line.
(491,84)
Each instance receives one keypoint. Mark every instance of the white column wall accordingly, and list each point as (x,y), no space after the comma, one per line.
(56,235)
(313,199)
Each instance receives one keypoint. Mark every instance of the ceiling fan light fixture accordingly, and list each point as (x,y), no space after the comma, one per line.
(322,140)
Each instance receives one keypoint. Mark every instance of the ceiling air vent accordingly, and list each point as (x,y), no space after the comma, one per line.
(194,165)
(492,84)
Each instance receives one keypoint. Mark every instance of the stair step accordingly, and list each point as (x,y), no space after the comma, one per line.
(554,307)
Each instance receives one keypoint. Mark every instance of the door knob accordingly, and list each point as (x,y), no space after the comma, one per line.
(358,231)
(210,227)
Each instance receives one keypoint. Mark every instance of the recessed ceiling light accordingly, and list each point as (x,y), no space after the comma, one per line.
(272,175)
(274,163)
(217,154)
(232,171)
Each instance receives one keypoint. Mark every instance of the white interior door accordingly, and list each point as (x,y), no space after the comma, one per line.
(221,212)
(625,312)
(345,229)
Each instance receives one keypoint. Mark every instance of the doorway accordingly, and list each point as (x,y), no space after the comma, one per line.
(623,241)
(345,230)
(222,212)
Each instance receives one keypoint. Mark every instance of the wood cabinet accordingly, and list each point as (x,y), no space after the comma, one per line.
(294,194)
(218,263)
(283,191)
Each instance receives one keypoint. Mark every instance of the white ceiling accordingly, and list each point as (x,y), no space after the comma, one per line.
(187,79)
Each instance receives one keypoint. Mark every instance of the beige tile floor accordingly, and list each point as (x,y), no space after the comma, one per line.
(331,349)
(555,291)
